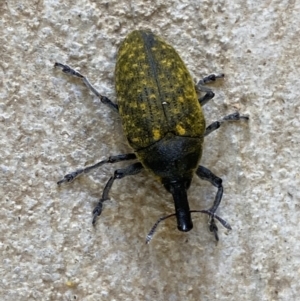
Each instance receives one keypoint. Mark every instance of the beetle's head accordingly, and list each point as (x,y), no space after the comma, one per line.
(178,189)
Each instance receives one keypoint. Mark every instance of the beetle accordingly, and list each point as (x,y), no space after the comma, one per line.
(163,121)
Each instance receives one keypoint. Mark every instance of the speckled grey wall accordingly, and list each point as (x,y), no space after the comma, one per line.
(51,125)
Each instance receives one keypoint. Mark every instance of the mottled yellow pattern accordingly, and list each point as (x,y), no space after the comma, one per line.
(180,129)
(156,134)
(156,94)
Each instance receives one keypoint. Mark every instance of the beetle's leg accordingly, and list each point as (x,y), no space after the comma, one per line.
(130,170)
(112,159)
(232,117)
(205,174)
(209,94)
(68,70)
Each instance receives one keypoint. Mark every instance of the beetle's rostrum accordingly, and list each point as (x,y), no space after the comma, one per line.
(163,121)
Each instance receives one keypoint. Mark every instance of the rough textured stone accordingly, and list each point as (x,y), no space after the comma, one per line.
(50,125)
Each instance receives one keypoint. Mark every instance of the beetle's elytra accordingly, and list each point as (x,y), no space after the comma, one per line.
(163,121)
(162,99)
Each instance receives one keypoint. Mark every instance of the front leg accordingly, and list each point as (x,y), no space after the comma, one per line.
(205,174)
(130,170)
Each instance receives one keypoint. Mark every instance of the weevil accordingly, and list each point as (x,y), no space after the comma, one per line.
(163,121)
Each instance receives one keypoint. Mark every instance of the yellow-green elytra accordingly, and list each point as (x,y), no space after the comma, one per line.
(163,121)
(155,91)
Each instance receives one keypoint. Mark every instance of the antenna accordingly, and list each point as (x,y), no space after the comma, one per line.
(213,227)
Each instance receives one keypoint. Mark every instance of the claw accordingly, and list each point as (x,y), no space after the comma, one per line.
(68,70)
(213,228)
(70,176)
(97,211)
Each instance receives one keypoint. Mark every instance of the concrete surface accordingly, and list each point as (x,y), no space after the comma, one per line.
(51,125)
